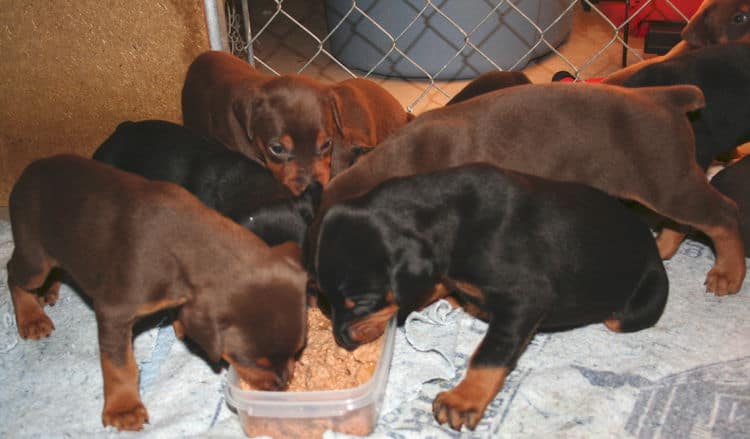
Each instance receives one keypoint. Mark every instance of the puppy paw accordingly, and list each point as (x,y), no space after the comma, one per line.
(126,418)
(457,410)
(721,283)
(50,297)
(35,326)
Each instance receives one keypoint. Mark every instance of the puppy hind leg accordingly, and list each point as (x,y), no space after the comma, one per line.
(645,306)
(24,277)
(695,203)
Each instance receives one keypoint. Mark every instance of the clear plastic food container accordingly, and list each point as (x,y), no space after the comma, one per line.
(309,414)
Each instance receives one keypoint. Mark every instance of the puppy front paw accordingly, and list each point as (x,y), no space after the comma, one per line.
(721,282)
(126,418)
(35,326)
(457,409)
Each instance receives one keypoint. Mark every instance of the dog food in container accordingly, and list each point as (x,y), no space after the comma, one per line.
(296,414)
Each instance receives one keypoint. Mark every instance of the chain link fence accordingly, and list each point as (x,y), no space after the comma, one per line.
(429,42)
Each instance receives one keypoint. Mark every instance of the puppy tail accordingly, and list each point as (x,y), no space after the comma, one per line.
(647,304)
(685,98)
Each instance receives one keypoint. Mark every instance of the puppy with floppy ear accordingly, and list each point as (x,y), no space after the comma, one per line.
(369,114)
(289,123)
(531,254)
(521,128)
(715,22)
(225,180)
(136,246)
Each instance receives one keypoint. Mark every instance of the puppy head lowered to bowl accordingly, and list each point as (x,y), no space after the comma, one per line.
(310,413)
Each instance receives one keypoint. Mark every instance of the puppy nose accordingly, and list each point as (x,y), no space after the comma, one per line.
(300,184)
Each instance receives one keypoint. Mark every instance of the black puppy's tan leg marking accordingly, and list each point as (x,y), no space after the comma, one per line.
(471,298)
(439,292)
(511,327)
(465,403)
(123,408)
(613,325)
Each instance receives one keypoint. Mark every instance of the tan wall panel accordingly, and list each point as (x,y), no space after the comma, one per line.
(71,70)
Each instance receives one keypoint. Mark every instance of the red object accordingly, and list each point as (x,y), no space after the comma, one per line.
(655,10)
(590,80)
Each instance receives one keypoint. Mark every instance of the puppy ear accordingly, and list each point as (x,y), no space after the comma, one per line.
(413,274)
(698,32)
(241,127)
(202,327)
(337,109)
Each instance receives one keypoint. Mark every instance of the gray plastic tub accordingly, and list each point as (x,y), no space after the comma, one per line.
(432,41)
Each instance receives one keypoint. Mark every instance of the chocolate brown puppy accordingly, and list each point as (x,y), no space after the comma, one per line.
(715,22)
(290,123)
(532,129)
(136,246)
(531,254)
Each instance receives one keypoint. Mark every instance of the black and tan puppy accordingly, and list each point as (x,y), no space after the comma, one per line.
(531,254)
(715,22)
(617,146)
(488,82)
(136,246)
(290,123)
(723,74)
(734,182)
(225,180)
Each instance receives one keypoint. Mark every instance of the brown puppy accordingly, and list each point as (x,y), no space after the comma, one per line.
(290,123)
(527,129)
(286,122)
(369,114)
(715,22)
(136,246)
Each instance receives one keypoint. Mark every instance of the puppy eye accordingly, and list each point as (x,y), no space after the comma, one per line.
(324,147)
(740,18)
(277,149)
